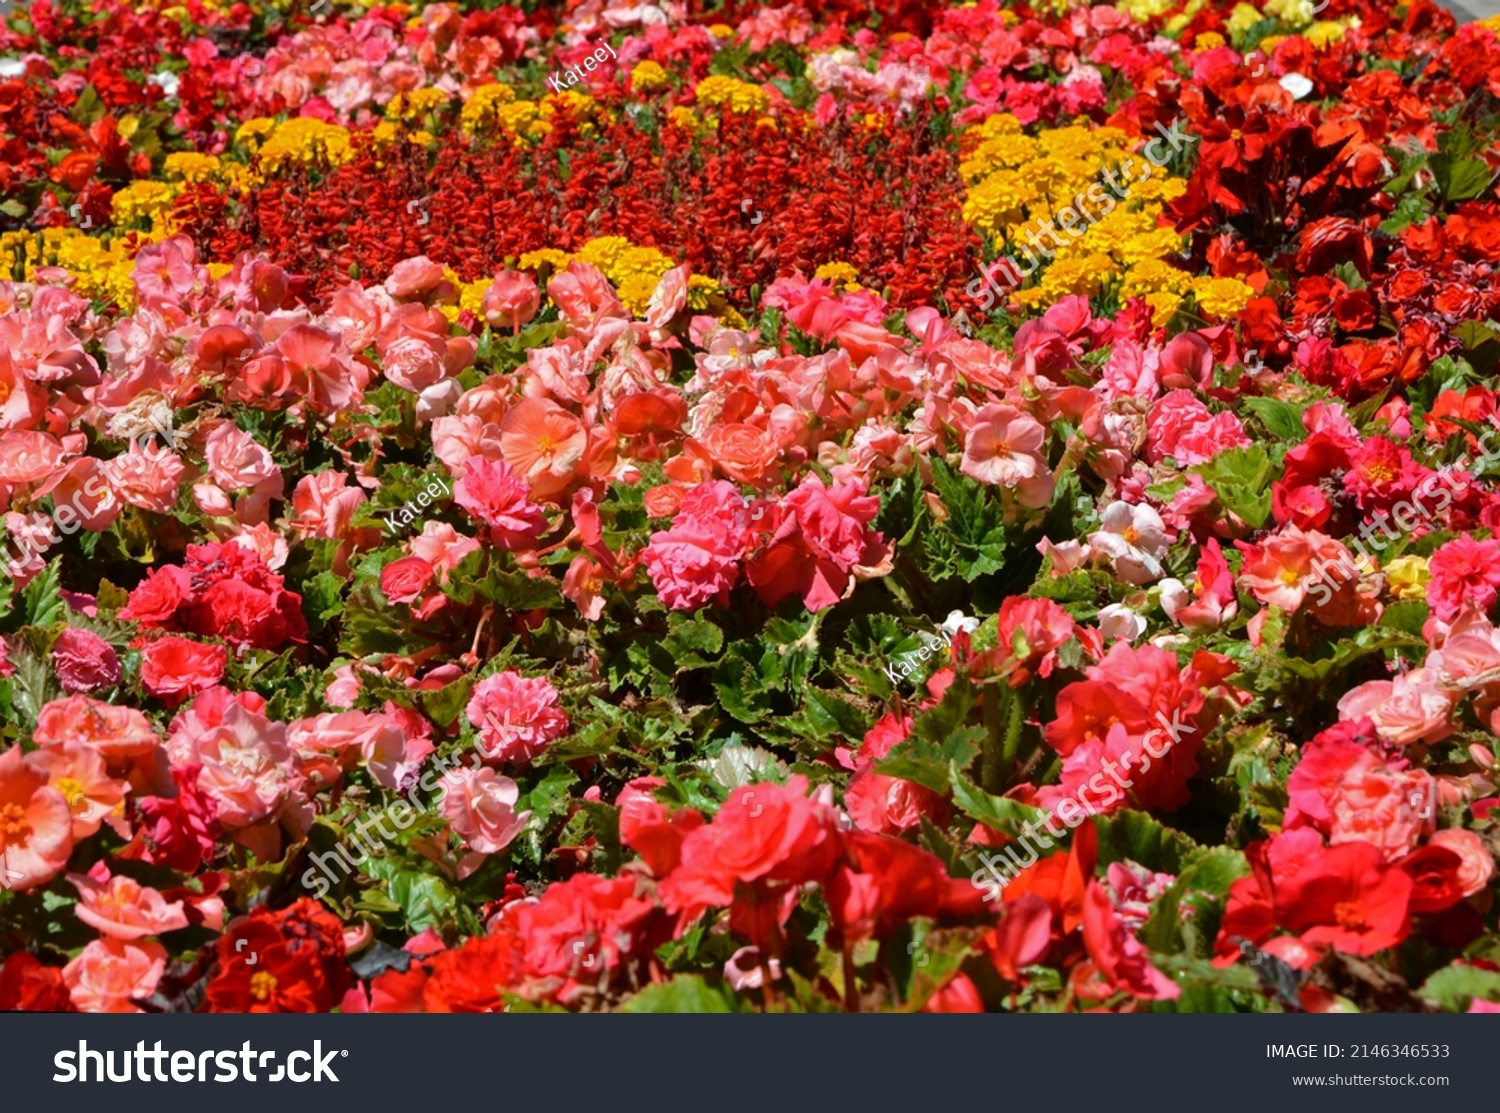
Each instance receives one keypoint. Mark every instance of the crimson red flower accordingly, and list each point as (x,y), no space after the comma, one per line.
(174,668)
(29,987)
(298,964)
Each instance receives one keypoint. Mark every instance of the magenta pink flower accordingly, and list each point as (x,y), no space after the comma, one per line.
(495,495)
(517,717)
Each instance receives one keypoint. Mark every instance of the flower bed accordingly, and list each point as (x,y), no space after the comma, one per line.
(873,507)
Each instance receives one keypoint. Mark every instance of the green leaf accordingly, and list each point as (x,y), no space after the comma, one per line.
(973,536)
(1208,873)
(323,599)
(426,900)
(1459,178)
(1242,479)
(997,812)
(1139,838)
(686,993)
(1454,987)
(42,600)
(1282,419)
(694,642)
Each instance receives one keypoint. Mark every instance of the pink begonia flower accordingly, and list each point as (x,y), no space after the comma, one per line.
(1004,448)
(110,974)
(517,717)
(697,560)
(1463,571)
(481,806)
(246,766)
(1405,709)
(443,547)
(511,300)
(122,908)
(1180,426)
(1478,864)
(79,772)
(499,497)
(1133,538)
(36,824)
(84,661)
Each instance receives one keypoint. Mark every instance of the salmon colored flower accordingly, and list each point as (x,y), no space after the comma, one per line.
(110,975)
(122,908)
(480,805)
(36,824)
(543,444)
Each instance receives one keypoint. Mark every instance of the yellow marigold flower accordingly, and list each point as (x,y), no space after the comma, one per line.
(143,200)
(1242,18)
(525,120)
(647,75)
(641,260)
(1268,44)
(128,126)
(191,166)
(546,257)
(449,311)
(635,292)
(479,109)
(721,30)
(604,252)
(217,271)
(1221,297)
(383,134)
(1164,306)
(998,200)
(1323,33)
(1493,23)
(1003,152)
(304,140)
(699,289)
(1406,577)
(1208,40)
(840,274)
(1153,276)
(1143,11)
(419,102)
(731,318)
(1297,13)
(471,295)
(251,131)
(688,120)
(740,96)
(1158,187)
(1001,123)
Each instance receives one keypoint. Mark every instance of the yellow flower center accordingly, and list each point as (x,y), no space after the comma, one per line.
(72,791)
(262,985)
(13,823)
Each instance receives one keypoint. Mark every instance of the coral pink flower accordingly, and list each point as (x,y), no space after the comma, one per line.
(512,299)
(404,580)
(481,806)
(1180,426)
(821,538)
(1463,571)
(174,668)
(1478,865)
(36,824)
(118,733)
(494,494)
(1119,955)
(763,833)
(1343,897)
(78,771)
(83,661)
(443,547)
(245,766)
(544,444)
(122,908)
(517,717)
(1408,708)
(110,974)
(1004,447)
(147,478)
(696,561)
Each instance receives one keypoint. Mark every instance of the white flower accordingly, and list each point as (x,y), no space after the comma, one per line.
(1117,621)
(1297,85)
(1133,538)
(957,621)
(12,67)
(167,81)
